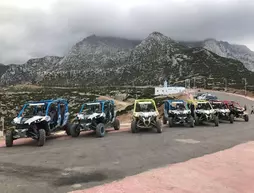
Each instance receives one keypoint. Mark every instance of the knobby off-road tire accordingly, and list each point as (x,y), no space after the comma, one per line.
(116,124)
(9,138)
(197,122)
(100,130)
(191,122)
(158,126)
(67,129)
(41,137)
(134,127)
(164,120)
(246,118)
(170,122)
(75,130)
(231,118)
(216,121)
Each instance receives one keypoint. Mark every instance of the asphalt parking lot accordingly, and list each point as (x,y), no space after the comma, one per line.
(65,164)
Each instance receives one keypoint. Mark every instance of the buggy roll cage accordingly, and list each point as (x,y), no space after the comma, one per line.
(101,102)
(169,102)
(145,100)
(47,103)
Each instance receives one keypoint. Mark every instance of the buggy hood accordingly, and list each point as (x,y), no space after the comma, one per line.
(222,110)
(146,114)
(83,116)
(205,111)
(37,118)
(179,111)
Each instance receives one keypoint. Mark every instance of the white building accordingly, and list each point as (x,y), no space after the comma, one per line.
(166,90)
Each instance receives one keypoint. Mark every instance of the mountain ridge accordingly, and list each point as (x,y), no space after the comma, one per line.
(98,60)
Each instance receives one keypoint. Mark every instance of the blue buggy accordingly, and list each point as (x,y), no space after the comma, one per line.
(96,116)
(37,119)
(177,112)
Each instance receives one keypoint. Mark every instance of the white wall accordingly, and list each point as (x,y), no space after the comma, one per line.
(168,90)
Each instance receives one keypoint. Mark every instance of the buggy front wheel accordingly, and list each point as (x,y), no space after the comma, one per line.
(216,121)
(164,120)
(100,130)
(158,126)
(67,129)
(191,121)
(231,118)
(75,130)
(41,137)
(134,127)
(170,122)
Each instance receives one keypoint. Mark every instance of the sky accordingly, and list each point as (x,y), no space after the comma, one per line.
(36,28)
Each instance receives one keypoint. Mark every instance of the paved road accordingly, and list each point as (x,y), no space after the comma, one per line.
(69,164)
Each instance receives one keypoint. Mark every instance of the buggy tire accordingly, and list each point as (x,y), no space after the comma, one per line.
(170,122)
(116,124)
(246,118)
(67,129)
(41,137)
(158,126)
(191,121)
(216,121)
(197,122)
(231,118)
(9,138)
(74,130)
(100,130)
(164,120)
(134,127)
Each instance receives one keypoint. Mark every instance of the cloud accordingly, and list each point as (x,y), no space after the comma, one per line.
(30,29)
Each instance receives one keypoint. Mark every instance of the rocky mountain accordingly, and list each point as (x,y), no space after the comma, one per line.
(30,72)
(3,69)
(224,49)
(116,61)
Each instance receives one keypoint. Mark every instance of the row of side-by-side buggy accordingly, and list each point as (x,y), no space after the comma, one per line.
(38,119)
(195,112)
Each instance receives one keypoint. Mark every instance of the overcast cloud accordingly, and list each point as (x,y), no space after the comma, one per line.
(35,28)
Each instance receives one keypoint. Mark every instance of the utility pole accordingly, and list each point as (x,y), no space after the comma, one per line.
(245,86)
(204,83)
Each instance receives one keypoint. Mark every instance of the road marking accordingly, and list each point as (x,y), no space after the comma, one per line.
(190,141)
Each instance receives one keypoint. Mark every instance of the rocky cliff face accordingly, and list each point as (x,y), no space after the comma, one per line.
(224,49)
(30,72)
(3,69)
(115,61)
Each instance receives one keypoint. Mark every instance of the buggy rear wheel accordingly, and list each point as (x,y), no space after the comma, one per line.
(9,138)
(116,124)
(134,127)
(100,130)
(158,126)
(231,118)
(75,130)
(246,118)
(41,137)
